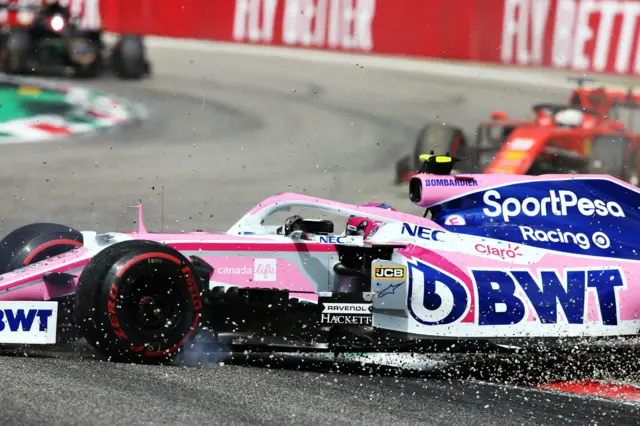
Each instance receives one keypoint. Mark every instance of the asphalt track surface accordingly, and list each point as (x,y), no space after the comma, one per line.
(225,132)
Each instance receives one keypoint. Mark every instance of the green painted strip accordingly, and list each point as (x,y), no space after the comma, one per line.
(79,110)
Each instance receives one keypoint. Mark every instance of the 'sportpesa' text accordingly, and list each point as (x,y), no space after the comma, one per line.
(558,203)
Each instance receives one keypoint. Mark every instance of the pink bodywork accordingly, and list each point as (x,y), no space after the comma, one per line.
(243,265)
(28,284)
(457,261)
(439,194)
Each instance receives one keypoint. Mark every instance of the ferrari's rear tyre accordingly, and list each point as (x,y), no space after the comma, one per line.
(35,242)
(613,155)
(15,54)
(129,58)
(439,138)
(138,301)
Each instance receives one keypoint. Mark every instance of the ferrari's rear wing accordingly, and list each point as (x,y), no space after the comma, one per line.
(597,94)
(13,6)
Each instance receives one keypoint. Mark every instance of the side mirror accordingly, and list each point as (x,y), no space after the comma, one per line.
(499,115)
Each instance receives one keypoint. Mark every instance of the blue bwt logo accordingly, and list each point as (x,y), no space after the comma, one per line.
(12,320)
(28,322)
(502,296)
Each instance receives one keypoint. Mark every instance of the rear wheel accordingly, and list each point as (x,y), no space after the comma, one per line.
(138,301)
(35,242)
(16,50)
(614,156)
(129,58)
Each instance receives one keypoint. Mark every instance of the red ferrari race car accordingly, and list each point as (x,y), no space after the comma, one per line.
(592,133)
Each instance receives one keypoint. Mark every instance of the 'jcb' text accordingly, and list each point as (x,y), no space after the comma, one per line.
(389,272)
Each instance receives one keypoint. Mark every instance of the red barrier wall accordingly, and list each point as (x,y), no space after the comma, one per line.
(582,35)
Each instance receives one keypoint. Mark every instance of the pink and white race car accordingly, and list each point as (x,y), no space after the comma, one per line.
(500,258)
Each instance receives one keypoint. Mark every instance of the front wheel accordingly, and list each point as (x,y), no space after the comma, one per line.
(441,139)
(437,137)
(138,301)
(35,242)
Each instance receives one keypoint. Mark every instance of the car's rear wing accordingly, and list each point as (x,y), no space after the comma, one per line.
(615,103)
(629,99)
(19,6)
(596,94)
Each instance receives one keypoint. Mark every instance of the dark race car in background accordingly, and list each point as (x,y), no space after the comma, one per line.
(49,38)
(593,133)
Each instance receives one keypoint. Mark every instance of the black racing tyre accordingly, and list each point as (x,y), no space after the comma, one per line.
(16,52)
(439,138)
(35,242)
(129,58)
(138,301)
(613,155)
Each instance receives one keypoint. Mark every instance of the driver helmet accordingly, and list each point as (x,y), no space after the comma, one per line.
(569,117)
(362,226)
